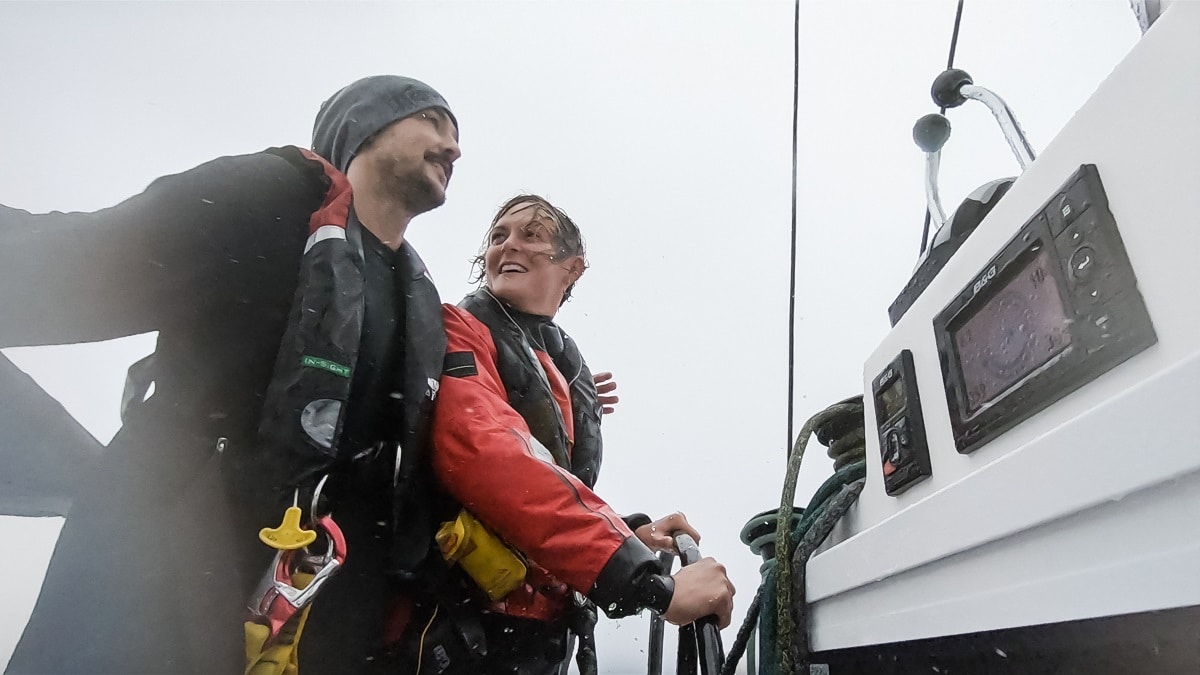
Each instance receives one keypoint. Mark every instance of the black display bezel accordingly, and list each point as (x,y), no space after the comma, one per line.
(1092,351)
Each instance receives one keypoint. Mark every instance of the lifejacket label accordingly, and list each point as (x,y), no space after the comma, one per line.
(460,364)
(325,364)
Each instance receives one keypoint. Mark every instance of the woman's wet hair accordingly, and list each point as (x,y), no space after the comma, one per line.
(567,240)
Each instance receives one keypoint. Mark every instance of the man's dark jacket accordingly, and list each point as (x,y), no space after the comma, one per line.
(159,552)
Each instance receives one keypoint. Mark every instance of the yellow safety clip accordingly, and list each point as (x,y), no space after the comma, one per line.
(289,536)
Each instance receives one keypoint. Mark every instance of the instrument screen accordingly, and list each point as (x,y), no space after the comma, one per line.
(1016,331)
(892,400)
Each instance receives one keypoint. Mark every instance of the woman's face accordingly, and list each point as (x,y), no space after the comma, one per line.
(521,263)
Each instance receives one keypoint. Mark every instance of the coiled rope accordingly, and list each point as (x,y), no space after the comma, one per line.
(840,426)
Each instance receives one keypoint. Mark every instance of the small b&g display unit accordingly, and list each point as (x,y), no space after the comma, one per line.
(1054,310)
(903,446)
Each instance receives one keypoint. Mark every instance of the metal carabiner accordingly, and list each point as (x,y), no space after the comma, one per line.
(277,599)
(322,567)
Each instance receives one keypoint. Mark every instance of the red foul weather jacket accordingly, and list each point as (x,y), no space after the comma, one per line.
(487,459)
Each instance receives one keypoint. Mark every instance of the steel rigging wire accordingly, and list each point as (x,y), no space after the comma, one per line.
(792,283)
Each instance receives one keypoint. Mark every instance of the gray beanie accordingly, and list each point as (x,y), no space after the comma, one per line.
(363,108)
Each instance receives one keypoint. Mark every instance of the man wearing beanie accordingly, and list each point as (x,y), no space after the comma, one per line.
(299,337)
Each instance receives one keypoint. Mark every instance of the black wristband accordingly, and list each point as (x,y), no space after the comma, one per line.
(620,587)
(656,591)
(636,520)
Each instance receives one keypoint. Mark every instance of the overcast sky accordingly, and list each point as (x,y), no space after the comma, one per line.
(663,128)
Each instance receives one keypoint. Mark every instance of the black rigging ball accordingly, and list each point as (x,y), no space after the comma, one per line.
(931,132)
(945,88)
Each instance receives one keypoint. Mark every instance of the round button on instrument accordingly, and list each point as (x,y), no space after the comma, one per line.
(1083,261)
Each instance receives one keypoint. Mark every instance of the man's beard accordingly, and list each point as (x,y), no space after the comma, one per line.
(412,187)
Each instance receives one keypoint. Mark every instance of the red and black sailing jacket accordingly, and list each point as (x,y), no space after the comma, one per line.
(517,443)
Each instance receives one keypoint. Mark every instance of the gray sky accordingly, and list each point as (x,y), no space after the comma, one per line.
(663,128)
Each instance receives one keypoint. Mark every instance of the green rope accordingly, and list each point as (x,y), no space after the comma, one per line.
(852,447)
(824,501)
(831,512)
(783,534)
(745,637)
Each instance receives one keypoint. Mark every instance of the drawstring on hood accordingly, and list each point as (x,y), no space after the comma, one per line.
(363,108)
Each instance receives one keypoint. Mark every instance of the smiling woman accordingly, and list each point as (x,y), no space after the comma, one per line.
(533,256)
